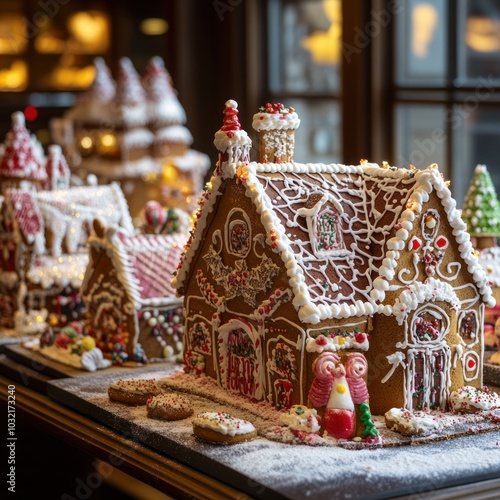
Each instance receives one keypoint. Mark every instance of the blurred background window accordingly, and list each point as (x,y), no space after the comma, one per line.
(447,87)
(411,82)
(304,41)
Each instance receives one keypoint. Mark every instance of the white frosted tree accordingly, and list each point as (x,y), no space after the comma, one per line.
(481,210)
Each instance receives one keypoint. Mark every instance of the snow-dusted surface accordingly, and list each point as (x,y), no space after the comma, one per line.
(264,468)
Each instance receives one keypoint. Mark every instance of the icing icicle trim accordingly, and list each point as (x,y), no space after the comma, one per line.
(418,293)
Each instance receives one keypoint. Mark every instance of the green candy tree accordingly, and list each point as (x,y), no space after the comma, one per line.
(481,210)
(366,418)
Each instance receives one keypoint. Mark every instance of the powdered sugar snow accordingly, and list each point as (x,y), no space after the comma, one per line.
(265,468)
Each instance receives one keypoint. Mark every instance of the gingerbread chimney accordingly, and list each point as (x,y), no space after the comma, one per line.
(57,169)
(276,126)
(232,142)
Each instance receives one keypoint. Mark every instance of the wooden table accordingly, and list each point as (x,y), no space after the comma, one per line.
(144,464)
(165,474)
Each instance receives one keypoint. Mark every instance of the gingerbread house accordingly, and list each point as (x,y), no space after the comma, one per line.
(43,240)
(133,132)
(22,164)
(328,285)
(133,311)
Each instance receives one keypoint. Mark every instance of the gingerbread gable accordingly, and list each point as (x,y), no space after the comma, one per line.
(144,264)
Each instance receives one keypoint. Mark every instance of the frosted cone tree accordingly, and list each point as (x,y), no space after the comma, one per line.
(481,210)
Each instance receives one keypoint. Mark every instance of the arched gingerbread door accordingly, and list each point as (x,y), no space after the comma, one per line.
(240,357)
(428,358)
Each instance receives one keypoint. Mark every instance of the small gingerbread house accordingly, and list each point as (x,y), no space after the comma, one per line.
(21,165)
(132,309)
(328,285)
(43,240)
(132,131)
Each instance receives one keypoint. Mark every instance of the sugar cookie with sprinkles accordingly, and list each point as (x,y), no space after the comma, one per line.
(133,391)
(468,399)
(169,407)
(408,423)
(223,428)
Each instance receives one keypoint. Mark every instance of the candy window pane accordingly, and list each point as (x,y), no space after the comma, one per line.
(305,46)
(478,42)
(421,43)
(317,140)
(476,137)
(421,136)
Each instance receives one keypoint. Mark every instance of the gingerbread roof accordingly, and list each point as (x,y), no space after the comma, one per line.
(164,107)
(103,87)
(67,210)
(25,211)
(20,159)
(145,264)
(129,89)
(376,208)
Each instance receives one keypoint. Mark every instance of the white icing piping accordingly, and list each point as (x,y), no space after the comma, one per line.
(394,360)
(419,186)
(206,205)
(428,180)
(418,293)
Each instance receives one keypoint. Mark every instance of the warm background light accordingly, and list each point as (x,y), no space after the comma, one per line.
(14,77)
(154,26)
(483,34)
(91,29)
(424,22)
(13,39)
(324,46)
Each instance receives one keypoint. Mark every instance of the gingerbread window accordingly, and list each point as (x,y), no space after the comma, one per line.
(199,337)
(238,233)
(468,328)
(283,361)
(323,214)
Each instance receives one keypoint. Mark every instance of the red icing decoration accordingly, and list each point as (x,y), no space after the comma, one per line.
(415,244)
(441,242)
(321,340)
(471,363)
(360,337)
(231,120)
